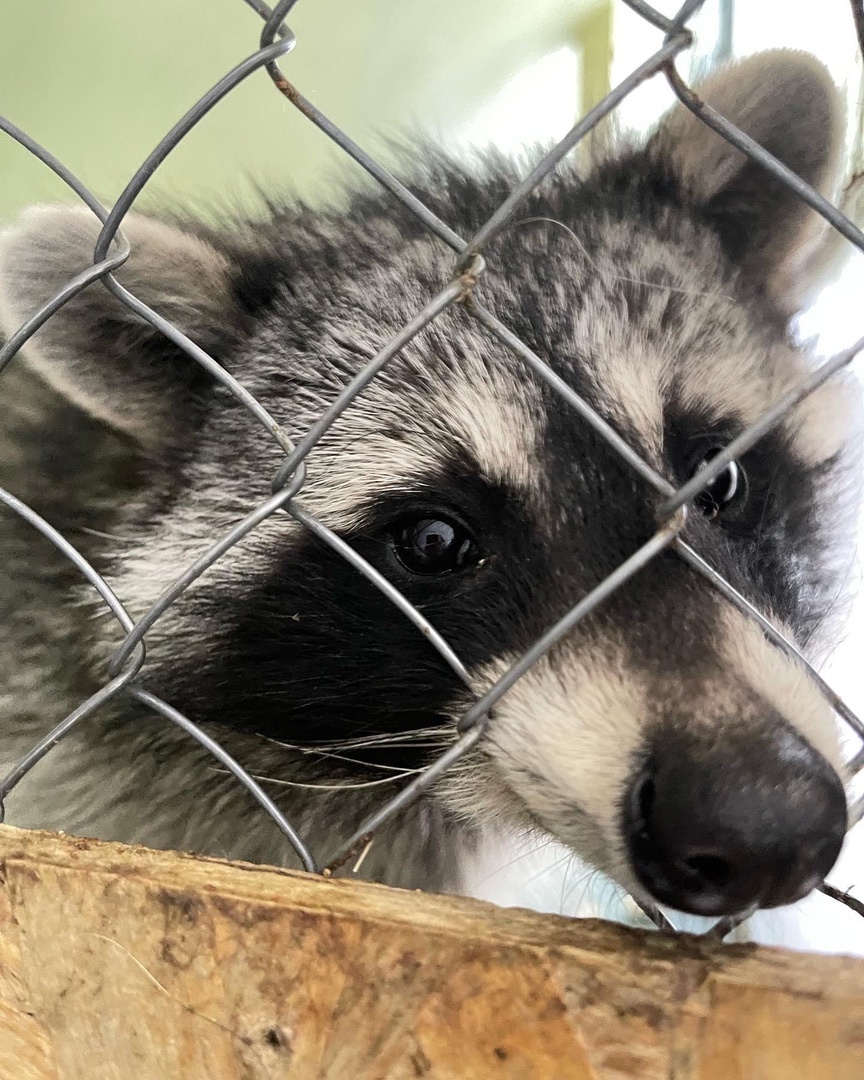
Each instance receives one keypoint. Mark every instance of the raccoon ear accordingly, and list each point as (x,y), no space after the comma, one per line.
(788,103)
(98,352)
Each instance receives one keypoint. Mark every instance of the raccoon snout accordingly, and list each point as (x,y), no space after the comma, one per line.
(713,829)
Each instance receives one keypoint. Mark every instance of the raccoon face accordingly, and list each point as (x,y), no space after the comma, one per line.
(664,739)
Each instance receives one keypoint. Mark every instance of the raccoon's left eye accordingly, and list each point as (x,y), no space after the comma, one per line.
(726,492)
(433,545)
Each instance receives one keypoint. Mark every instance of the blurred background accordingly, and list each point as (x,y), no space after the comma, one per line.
(100,82)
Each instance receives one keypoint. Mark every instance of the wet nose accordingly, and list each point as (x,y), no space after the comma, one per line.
(715,828)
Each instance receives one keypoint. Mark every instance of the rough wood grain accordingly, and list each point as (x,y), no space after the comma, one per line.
(127,963)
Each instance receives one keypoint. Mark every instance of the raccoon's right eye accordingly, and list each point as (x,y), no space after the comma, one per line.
(726,492)
(433,545)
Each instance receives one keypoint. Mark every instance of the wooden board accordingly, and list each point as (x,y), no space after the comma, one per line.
(125,963)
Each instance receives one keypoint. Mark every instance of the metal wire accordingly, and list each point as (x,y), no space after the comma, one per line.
(127,671)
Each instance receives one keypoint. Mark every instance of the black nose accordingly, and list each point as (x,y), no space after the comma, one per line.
(713,828)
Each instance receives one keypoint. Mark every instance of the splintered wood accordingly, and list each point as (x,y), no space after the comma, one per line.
(132,964)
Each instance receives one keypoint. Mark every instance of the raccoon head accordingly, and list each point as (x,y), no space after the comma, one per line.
(665,739)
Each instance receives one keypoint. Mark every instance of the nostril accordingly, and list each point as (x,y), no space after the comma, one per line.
(644,796)
(709,870)
(823,854)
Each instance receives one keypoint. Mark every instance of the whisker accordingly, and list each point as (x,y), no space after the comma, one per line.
(564,880)
(516,858)
(328,787)
(566,857)
(621,277)
(431,737)
(314,752)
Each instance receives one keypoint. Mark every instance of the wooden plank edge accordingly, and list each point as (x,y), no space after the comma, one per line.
(238,970)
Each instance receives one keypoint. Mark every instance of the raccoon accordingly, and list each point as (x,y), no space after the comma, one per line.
(665,741)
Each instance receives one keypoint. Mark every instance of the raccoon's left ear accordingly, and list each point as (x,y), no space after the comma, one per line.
(788,103)
(98,352)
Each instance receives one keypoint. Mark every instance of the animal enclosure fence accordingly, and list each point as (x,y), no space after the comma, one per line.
(127,672)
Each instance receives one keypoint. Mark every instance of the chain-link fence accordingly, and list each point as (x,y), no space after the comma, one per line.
(127,673)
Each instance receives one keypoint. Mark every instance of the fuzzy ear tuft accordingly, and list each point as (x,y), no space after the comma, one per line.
(787,102)
(98,352)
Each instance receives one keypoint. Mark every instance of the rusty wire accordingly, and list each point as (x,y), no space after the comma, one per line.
(127,672)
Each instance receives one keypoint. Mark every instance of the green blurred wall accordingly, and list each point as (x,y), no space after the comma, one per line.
(100,81)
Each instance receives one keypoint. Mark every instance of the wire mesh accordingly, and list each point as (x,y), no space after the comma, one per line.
(127,672)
